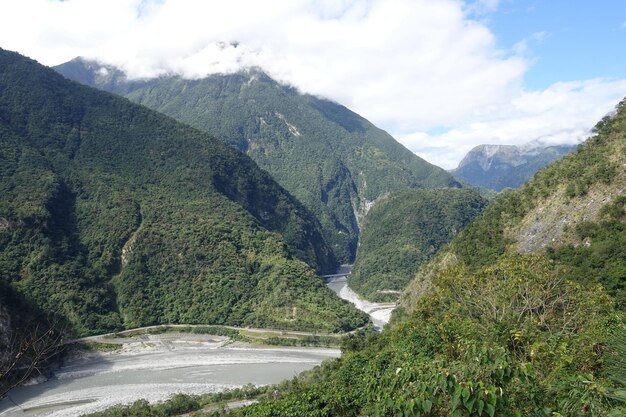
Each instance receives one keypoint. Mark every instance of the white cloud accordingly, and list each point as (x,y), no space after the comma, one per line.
(563,113)
(407,65)
(481,7)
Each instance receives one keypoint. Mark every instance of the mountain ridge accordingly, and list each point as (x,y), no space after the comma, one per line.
(333,160)
(545,213)
(116,216)
(489,328)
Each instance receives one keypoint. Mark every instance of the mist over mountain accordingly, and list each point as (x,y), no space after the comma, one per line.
(333,160)
(507,166)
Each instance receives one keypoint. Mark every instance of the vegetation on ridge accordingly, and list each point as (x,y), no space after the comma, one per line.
(474,348)
(487,331)
(405,230)
(333,160)
(114,216)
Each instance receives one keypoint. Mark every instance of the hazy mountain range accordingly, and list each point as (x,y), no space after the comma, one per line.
(507,166)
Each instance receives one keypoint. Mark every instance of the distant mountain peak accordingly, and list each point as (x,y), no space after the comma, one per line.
(502,166)
(485,154)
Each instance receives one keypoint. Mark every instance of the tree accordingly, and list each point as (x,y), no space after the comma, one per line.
(27,350)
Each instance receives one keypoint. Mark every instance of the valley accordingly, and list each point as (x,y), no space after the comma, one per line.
(165,235)
(380,313)
(156,362)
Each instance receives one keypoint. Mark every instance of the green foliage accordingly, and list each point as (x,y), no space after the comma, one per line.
(404,231)
(509,339)
(176,405)
(316,341)
(114,216)
(497,332)
(181,403)
(328,157)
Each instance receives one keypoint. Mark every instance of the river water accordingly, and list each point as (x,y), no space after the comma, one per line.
(380,313)
(155,369)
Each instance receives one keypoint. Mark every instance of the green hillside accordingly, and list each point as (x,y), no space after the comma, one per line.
(522,314)
(333,160)
(571,211)
(405,230)
(115,216)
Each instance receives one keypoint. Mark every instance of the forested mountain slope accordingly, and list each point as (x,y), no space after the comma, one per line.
(334,161)
(572,208)
(506,166)
(114,216)
(403,231)
(500,323)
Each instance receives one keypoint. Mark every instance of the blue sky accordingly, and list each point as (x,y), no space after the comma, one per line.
(567,39)
(441,76)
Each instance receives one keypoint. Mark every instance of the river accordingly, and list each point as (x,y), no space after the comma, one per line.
(156,368)
(380,313)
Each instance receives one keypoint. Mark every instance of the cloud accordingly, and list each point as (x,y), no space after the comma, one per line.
(409,66)
(482,7)
(406,64)
(523,48)
(563,113)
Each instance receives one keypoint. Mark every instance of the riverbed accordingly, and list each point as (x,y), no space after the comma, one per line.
(155,368)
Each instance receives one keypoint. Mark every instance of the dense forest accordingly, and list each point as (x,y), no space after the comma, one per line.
(333,160)
(405,230)
(114,216)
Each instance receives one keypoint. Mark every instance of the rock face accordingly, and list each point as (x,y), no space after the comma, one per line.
(330,158)
(507,166)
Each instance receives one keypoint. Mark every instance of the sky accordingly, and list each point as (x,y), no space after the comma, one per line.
(441,76)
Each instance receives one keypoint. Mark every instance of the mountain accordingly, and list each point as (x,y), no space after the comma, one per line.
(403,231)
(507,166)
(333,160)
(564,207)
(114,216)
(521,314)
